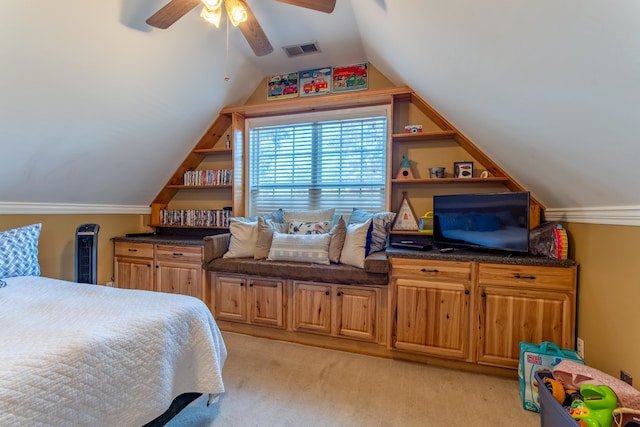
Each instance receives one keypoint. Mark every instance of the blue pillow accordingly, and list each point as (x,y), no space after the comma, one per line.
(19,249)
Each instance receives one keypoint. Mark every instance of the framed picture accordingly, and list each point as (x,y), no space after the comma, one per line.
(315,82)
(282,86)
(350,77)
(463,170)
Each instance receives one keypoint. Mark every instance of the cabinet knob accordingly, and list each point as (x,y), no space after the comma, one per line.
(132,250)
(177,254)
(426,270)
(149,265)
(327,293)
(251,284)
(241,283)
(157,266)
(466,292)
(339,294)
(518,276)
(483,295)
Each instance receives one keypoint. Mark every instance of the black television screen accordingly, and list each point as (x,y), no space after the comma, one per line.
(498,221)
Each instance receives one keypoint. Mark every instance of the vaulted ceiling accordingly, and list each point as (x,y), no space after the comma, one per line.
(98,108)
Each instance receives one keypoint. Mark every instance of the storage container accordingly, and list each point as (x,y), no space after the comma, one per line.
(552,414)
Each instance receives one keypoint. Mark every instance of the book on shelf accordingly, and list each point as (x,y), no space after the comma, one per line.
(195,217)
(208,177)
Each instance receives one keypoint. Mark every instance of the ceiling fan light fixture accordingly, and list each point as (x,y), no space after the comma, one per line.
(236,12)
(212,16)
(212,4)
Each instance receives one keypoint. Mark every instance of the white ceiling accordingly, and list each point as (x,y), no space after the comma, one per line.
(99,108)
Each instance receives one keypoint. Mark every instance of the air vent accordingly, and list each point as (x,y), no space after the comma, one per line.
(301,49)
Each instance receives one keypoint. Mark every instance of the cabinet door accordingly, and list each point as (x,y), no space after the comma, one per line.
(312,307)
(356,312)
(179,278)
(133,273)
(508,315)
(265,302)
(230,298)
(432,317)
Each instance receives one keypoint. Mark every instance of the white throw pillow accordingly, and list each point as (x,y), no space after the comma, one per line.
(300,248)
(244,236)
(354,249)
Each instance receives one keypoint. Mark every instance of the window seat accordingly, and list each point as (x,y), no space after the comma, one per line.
(375,271)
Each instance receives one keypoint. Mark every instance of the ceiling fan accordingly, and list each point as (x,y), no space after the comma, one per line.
(239,14)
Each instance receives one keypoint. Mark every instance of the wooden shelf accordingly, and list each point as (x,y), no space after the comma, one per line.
(318,103)
(423,136)
(450,180)
(197,187)
(212,151)
(210,227)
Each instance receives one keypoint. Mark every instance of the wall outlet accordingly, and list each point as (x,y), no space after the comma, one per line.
(580,347)
(626,377)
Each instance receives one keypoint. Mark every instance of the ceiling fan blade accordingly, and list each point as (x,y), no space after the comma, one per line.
(171,12)
(325,6)
(254,34)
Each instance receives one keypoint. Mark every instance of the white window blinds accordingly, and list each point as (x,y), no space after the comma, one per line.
(334,163)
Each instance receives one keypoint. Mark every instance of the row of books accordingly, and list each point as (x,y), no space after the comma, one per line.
(195,217)
(208,177)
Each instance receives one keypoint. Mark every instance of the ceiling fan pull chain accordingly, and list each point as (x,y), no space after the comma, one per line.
(226,61)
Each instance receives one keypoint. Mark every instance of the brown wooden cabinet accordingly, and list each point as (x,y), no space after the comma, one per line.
(248,299)
(156,267)
(479,312)
(179,270)
(523,303)
(344,311)
(133,266)
(430,307)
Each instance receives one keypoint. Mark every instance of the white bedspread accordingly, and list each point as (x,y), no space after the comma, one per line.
(87,355)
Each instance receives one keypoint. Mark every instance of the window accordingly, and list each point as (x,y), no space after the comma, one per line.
(317,161)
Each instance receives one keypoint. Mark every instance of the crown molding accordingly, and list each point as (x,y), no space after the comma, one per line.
(9,208)
(610,215)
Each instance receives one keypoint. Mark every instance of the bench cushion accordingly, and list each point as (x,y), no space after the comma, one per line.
(375,271)
(333,273)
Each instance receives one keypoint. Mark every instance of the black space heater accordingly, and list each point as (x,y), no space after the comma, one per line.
(87,253)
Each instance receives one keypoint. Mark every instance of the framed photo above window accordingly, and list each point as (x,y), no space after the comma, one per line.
(350,77)
(463,170)
(315,82)
(282,86)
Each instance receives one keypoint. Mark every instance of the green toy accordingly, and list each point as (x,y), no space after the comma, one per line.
(596,407)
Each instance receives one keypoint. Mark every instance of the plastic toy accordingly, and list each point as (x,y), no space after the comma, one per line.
(596,407)
(556,388)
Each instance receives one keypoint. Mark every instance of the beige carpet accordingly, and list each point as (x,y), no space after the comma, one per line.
(274,383)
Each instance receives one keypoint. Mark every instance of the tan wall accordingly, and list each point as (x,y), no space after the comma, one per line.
(56,248)
(608,295)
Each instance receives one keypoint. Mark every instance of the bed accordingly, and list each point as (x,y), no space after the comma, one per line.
(90,355)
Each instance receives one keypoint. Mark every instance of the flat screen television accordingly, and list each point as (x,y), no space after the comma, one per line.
(494,221)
